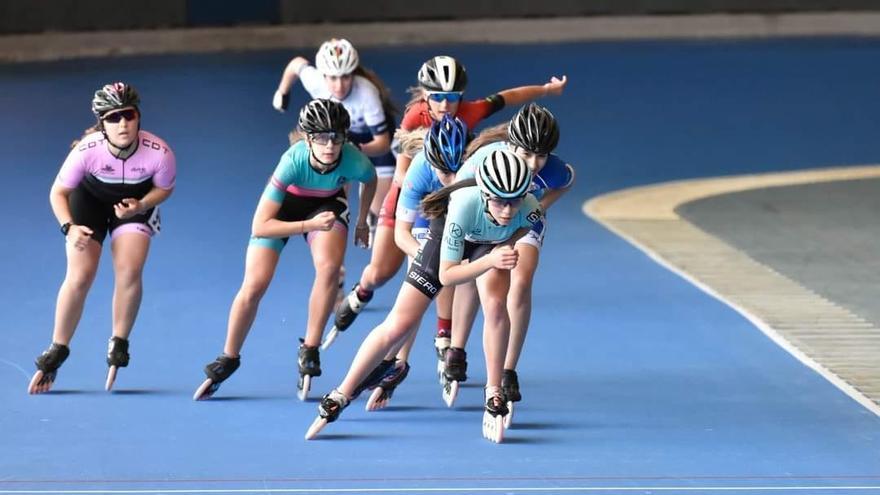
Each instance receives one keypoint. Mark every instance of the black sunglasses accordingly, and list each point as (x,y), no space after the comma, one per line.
(128,114)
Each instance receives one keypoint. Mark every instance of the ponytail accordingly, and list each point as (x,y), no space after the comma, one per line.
(436,204)
(489,135)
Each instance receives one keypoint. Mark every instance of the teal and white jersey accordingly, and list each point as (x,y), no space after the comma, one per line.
(467,219)
(295,175)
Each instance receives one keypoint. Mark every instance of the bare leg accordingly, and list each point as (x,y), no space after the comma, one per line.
(464,311)
(328,251)
(385,260)
(260,263)
(129,256)
(407,312)
(81,269)
(519,302)
(493,287)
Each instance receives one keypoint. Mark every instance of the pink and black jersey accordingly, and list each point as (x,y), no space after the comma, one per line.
(111,179)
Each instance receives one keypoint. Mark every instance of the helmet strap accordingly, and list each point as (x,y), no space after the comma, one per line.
(329,166)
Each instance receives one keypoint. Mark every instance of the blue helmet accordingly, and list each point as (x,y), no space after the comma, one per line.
(504,175)
(445,143)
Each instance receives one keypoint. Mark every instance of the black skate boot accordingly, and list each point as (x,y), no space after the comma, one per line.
(309,366)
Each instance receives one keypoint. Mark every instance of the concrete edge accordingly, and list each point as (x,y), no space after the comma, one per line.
(59,46)
(645,218)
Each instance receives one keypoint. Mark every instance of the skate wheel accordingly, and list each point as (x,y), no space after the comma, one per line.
(303,392)
(441,367)
(111,377)
(508,419)
(493,429)
(450,392)
(205,390)
(32,386)
(330,338)
(375,401)
(317,425)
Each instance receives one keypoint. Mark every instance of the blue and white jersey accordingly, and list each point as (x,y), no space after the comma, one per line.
(421,179)
(555,174)
(467,219)
(363,104)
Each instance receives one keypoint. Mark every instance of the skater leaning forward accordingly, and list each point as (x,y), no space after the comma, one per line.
(304,196)
(482,218)
(111,183)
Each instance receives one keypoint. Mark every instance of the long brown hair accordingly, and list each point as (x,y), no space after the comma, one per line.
(388,105)
(489,135)
(98,126)
(435,204)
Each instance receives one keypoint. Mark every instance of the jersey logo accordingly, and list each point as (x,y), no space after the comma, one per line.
(107,168)
(534,216)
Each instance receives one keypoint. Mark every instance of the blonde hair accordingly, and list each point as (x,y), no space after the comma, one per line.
(490,135)
(411,142)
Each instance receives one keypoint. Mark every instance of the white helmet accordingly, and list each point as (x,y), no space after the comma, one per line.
(336,57)
(503,174)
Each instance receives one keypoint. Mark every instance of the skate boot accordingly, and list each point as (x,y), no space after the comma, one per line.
(372,380)
(328,411)
(47,368)
(117,357)
(454,373)
(309,366)
(382,393)
(493,416)
(510,387)
(442,341)
(217,372)
(347,312)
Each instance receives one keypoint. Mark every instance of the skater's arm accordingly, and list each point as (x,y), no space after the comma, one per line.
(503,257)
(404,239)
(362,229)
(266,225)
(524,94)
(288,78)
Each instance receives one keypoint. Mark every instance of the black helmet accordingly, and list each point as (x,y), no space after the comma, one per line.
(445,143)
(322,115)
(442,73)
(534,128)
(113,97)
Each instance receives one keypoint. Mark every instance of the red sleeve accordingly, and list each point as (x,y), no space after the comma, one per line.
(473,112)
(416,116)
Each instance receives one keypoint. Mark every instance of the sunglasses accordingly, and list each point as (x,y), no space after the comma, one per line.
(127,114)
(451,97)
(325,138)
(501,203)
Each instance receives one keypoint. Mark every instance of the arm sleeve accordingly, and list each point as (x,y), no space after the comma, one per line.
(366,171)
(374,114)
(495,104)
(281,178)
(166,174)
(532,213)
(412,191)
(458,221)
(311,79)
(556,173)
(73,170)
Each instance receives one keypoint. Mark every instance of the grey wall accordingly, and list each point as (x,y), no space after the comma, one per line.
(33,16)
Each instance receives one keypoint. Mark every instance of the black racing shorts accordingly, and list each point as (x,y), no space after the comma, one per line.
(424,271)
(298,208)
(99,215)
